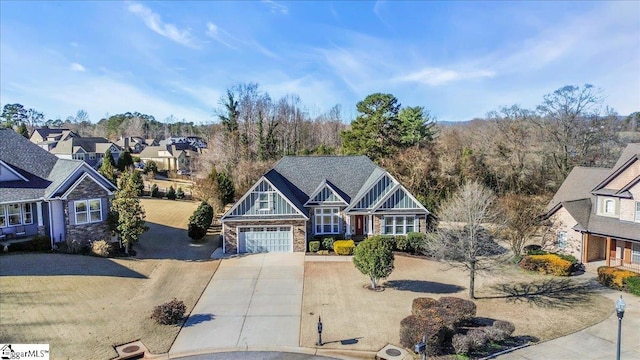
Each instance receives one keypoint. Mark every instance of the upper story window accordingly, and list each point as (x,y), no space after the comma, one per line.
(264,200)
(78,156)
(637,211)
(607,206)
(88,211)
(92,156)
(327,220)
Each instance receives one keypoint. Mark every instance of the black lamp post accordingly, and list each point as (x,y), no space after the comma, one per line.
(620,305)
(421,348)
(319,331)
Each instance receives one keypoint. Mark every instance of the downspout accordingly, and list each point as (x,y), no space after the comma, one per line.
(224,247)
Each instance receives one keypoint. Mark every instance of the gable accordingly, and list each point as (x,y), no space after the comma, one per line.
(86,187)
(75,177)
(7,173)
(263,199)
(399,199)
(623,178)
(325,194)
(375,193)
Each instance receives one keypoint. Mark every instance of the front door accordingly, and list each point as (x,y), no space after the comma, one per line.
(359,224)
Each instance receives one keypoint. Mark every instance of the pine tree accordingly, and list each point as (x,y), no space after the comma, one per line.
(127,214)
(107,169)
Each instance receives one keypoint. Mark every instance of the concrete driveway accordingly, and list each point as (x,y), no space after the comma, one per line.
(252,302)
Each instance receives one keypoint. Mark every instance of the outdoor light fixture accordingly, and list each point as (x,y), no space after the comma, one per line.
(620,305)
(319,331)
(421,348)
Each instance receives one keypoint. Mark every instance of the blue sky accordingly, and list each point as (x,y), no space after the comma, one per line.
(458,59)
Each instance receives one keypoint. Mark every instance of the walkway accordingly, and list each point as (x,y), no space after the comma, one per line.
(252,302)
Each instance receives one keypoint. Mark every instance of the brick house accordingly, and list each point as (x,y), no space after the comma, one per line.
(596,213)
(306,196)
(41,194)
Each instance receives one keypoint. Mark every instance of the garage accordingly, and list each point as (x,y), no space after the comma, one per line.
(260,239)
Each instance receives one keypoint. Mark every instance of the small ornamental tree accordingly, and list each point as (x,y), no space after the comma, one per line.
(171,193)
(374,258)
(127,215)
(107,169)
(136,182)
(154,190)
(200,221)
(150,167)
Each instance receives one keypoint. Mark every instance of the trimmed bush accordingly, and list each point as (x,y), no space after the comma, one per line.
(422,305)
(154,191)
(100,248)
(533,247)
(344,247)
(633,284)
(417,242)
(506,326)
(547,264)
(461,344)
(613,277)
(570,258)
(314,246)
(537,252)
(401,243)
(477,338)
(494,334)
(169,313)
(327,243)
(171,193)
(413,328)
(41,243)
(200,221)
(462,309)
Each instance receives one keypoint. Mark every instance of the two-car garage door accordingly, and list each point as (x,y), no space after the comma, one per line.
(260,239)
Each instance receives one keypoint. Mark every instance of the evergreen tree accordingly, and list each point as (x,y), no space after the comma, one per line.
(200,221)
(127,214)
(225,189)
(125,160)
(171,193)
(107,169)
(22,130)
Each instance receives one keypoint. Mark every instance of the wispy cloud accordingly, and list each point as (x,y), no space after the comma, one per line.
(275,7)
(155,23)
(437,76)
(77,67)
(216,34)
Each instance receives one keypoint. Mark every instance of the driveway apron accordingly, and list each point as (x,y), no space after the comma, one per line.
(252,301)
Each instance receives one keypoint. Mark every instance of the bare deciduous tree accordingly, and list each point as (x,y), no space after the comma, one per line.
(462,238)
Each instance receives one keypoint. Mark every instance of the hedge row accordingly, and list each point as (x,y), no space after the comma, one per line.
(619,279)
(551,264)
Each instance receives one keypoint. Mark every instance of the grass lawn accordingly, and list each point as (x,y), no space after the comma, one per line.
(355,318)
(84,305)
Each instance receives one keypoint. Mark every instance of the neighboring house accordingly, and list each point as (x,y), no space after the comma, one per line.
(48,138)
(596,212)
(176,157)
(42,194)
(308,196)
(135,143)
(88,149)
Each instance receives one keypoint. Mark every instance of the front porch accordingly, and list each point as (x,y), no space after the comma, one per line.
(608,251)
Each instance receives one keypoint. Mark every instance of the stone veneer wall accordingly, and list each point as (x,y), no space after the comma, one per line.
(231,233)
(81,235)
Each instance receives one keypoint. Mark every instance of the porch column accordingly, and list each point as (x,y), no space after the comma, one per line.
(626,257)
(607,255)
(370,230)
(347,224)
(585,248)
(40,219)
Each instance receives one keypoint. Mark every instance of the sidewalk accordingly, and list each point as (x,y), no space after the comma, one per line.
(596,342)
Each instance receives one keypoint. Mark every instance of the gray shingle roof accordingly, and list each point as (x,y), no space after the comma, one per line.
(578,185)
(87,143)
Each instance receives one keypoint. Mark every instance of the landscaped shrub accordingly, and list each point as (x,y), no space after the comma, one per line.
(533,247)
(171,193)
(154,191)
(547,264)
(420,306)
(506,326)
(462,309)
(327,243)
(402,244)
(494,334)
(417,242)
(570,258)
(200,221)
(413,328)
(41,243)
(461,344)
(633,284)
(169,313)
(344,247)
(477,338)
(613,277)
(179,194)
(100,248)
(537,252)
(314,246)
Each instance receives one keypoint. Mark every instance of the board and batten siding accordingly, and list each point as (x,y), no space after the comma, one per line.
(377,192)
(326,195)
(278,205)
(399,200)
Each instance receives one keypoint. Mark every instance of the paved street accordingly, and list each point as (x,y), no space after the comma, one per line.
(252,302)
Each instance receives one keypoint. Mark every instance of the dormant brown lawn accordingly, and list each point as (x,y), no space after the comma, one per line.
(83,305)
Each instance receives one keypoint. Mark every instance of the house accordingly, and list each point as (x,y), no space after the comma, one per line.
(88,149)
(42,194)
(47,138)
(303,197)
(175,157)
(135,143)
(596,213)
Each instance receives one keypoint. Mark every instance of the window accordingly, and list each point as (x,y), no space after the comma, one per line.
(14,215)
(78,156)
(3,216)
(609,206)
(399,225)
(27,214)
(264,200)
(635,253)
(327,220)
(88,211)
(637,211)
(561,239)
(92,156)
